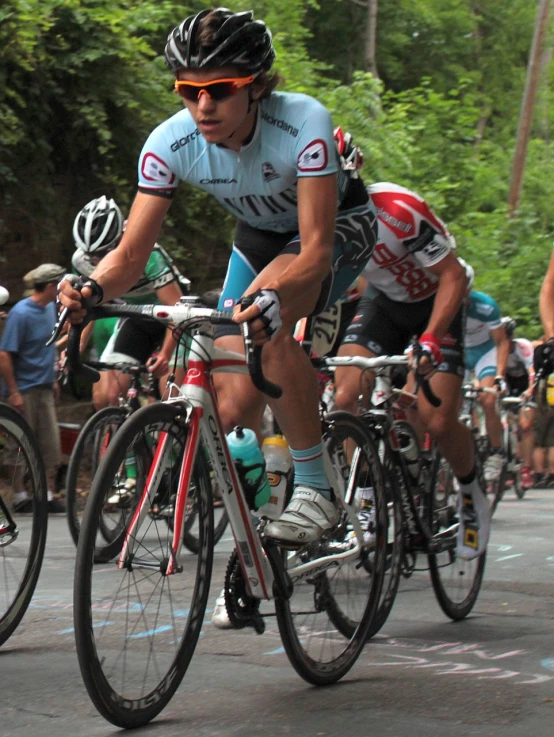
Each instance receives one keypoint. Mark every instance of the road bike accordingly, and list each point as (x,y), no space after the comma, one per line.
(23,522)
(138,619)
(421,495)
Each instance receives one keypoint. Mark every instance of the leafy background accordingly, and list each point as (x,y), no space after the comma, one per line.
(82,83)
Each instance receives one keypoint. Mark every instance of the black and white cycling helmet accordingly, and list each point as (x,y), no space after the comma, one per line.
(509,325)
(238,40)
(98,227)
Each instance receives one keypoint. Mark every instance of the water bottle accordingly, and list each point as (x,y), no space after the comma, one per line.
(250,465)
(550,390)
(410,450)
(278,462)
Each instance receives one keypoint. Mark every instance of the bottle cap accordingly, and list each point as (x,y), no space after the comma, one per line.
(276,440)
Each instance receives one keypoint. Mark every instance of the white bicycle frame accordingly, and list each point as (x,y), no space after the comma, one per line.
(197,397)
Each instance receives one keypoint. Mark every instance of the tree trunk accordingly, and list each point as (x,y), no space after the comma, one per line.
(370,60)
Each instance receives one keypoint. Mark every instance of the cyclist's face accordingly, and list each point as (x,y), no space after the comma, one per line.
(219,119)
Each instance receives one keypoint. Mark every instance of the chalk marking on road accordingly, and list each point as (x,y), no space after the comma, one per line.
(548,663)
(508,557)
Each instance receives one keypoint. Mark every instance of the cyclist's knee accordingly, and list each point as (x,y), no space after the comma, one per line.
(439,425)
(346,396)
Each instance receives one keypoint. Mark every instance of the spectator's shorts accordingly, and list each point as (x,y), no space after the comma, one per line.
(543,427)
(40,412)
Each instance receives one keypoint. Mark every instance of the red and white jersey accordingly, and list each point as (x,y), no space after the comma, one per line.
(410,239)
(520,360)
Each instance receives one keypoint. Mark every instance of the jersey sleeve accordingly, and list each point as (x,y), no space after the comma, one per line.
(315,146)
(155,173)
(157,271)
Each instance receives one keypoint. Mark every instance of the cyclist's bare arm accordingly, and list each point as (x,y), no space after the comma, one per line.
(450,294)
(122,267)
(502,349)
(546,300)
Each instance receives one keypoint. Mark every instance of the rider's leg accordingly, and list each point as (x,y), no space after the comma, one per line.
(456,445)
(492,418)
(350,383)
(526,445)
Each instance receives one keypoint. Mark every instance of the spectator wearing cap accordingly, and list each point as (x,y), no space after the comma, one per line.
(28,369)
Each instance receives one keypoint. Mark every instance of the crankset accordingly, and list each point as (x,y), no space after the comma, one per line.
(243,609)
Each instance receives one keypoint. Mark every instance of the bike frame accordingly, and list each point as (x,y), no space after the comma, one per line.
(201,417)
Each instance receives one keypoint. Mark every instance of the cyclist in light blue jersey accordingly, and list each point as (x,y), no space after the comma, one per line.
(304,228)
(487,349)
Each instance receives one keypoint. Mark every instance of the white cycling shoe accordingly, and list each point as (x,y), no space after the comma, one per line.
(220,615)
(308,515)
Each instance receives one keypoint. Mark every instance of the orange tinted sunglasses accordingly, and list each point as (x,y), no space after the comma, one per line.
(218,89)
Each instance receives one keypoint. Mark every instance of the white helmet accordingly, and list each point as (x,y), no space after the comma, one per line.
(98,227)
(470,273)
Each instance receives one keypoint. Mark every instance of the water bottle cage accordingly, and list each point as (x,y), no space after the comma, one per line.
(250,486)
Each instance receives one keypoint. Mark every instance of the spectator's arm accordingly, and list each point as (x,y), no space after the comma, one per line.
(546,300)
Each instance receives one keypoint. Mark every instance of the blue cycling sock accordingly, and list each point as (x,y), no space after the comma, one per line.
(309,469)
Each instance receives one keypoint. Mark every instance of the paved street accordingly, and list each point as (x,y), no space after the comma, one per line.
(422,675)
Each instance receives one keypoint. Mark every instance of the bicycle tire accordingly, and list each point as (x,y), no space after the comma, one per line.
(395,548)
(162,641)
(315,621)
(20,558)
(448,571)
(498,487)
(86,452)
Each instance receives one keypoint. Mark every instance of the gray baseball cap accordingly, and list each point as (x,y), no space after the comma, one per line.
(46,273)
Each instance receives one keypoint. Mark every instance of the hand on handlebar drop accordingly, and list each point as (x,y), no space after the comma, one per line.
(72,298)
(262,309)
(158,365)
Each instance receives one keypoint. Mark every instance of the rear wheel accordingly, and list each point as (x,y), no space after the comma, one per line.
(456,582)
(136,624)
(324,625)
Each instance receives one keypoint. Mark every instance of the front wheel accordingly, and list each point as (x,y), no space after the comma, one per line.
(456,582)
(137,623)
(325,623)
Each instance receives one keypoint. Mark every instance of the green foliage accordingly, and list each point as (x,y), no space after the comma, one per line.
(82,83)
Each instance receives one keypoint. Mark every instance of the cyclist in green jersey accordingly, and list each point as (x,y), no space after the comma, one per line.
(97,230)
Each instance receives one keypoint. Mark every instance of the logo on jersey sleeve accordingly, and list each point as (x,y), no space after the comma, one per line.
(314,157)
(155,169)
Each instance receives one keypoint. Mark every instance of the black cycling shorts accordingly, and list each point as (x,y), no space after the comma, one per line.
(386,328)
(139,339)
(517,385)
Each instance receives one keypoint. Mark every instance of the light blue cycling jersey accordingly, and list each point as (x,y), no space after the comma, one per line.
(293,138)
(483,315)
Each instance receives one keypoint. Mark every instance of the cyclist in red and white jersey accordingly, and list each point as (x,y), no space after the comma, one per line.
(417,286)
